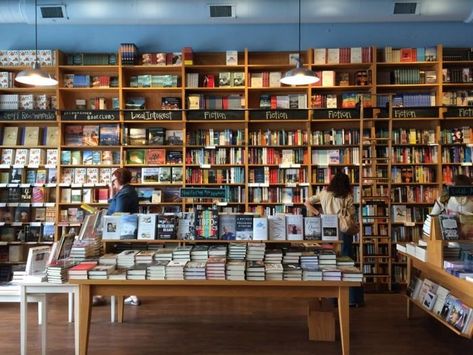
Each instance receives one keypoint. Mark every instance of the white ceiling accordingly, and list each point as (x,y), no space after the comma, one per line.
(156,12)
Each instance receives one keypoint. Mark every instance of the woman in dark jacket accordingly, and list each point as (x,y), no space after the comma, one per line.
(124,197)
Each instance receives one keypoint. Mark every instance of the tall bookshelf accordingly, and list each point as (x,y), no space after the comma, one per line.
(235,126)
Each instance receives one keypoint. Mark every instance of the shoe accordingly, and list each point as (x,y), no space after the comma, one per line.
(98,301)
(132,301)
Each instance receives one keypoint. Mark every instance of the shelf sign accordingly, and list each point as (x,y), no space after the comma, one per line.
(215,115)
(341,113)
(27,115)
(278,115)
(410,112)
(153,115)
(203,192)
(460,190)
(93,115)
(459,112)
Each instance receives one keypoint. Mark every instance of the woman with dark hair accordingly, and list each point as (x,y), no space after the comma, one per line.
(454,204)
(338,195)
(124,196)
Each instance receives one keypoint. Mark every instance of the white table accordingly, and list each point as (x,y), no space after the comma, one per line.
(10,293)
(28,290)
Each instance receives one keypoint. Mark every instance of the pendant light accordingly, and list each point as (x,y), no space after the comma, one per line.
(35,76)
(299,75)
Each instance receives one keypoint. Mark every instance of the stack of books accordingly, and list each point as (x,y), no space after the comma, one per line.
(255,270)
(236,270)
(157,270)
(127,258)
(274,271)
(200,253)
(182,253)
(237,251)
(216,268)
(273,256)
(137,272)
(164,254)
(175,270)
(80,271)
(195,270)
(101,272)
(145,256)
(256,252)
(292,272)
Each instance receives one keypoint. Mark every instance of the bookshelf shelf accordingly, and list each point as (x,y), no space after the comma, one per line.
(250,120)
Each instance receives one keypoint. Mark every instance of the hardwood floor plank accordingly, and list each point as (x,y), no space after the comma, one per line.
(234,326)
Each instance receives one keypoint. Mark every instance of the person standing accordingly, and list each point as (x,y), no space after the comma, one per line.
(124,198)
(336,196)
(454,204)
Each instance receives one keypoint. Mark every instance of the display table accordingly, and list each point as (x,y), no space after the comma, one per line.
(264,289)
(29,290)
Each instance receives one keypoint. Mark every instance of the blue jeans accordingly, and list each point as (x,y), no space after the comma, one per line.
(356,294)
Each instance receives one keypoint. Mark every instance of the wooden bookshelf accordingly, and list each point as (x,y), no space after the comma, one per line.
(345,81)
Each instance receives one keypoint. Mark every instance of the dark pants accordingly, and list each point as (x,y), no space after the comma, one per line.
(356,293)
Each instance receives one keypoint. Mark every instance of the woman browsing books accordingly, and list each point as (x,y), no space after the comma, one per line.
(454,204)
(332,200)
(124,198)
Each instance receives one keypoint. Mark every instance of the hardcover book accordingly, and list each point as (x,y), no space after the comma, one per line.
(244,227)
(147,226)
(128,226)
(227,226)
(167,226)
(206,224)
(109,134)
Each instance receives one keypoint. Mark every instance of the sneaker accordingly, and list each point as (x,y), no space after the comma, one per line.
(98,301)
(132,301)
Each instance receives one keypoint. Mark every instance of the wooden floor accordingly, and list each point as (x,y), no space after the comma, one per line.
(234,326)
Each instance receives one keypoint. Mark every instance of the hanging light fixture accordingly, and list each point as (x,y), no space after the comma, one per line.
(35,76)
(299,75)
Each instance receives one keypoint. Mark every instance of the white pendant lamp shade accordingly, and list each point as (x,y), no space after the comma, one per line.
(35,76)
(299,76)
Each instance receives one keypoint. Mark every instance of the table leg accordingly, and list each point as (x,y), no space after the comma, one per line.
(40,314)
(76,320)
(23,320)
(84,318)
(409,276)
(44,326)
(121,306)
(70,307)
(344,316)
(112,309)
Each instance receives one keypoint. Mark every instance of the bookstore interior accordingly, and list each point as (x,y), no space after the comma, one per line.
(193,174)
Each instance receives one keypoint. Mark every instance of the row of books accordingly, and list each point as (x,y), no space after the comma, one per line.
(161,58)
(408,100)
(414,194)
(154,81)
(30,136)
(153,156)
(210,175)
(33,157)
(416,174)
(459,98)
(79,176)
(329,78)
(407,76)
(207,224)
(458,135)
(25,215)
(277,156)
(337,136)
(90,157)
(267,175)
(140,103)
(28,195)
(325,175)
(85,195)
(91,135)
(214,137)
(265,79)
(215,156)
(97,103)
(457,75)
(344,100)
(415,155)
(353,55)
(91,58)
(420,54)
(153,136)
(28,233)
(455,155)
(87,81)
(27,57)
(214,102)
(277,137)
(32,176)
(223,79)
(325,157)
(283,195)
(28,102)
(294,101)
(412,136)
(442,303)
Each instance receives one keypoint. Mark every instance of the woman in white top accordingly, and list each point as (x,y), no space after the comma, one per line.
(337,195)
(454,204)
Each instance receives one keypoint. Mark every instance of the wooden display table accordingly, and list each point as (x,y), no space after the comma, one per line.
(265,289)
